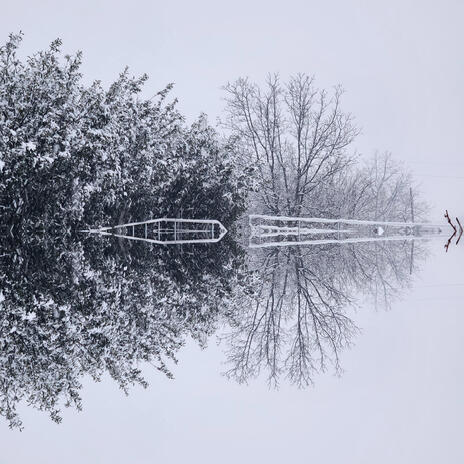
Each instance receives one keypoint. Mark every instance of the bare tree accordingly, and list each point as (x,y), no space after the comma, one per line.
(295,324)
(297,320)
(379,188)
(297,136)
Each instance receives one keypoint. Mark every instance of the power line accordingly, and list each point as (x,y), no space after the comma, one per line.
(438,176)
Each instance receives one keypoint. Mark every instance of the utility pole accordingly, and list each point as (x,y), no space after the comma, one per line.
(411,262)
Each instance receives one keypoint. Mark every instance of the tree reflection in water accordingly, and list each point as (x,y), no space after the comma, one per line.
(298,321)
(87,308)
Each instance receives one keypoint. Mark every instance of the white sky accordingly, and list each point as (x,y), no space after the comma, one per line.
(401,63)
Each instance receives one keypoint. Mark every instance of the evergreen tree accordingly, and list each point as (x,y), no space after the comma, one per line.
(73,155)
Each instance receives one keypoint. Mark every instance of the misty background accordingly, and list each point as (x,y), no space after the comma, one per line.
(398,400)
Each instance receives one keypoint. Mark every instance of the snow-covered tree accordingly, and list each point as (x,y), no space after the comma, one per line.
(73,156)
(297,136)
(379,188)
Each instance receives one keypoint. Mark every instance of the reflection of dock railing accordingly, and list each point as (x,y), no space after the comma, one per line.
(167,231)
(270,231)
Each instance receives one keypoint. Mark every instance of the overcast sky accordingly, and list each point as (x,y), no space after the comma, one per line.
(401,63)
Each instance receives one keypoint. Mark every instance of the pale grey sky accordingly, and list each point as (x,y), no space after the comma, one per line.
(399,401)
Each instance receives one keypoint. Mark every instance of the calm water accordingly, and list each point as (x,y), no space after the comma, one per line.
(251,356)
